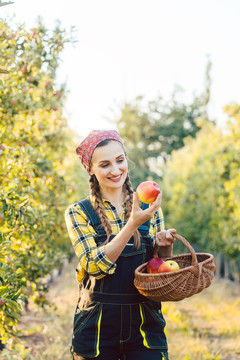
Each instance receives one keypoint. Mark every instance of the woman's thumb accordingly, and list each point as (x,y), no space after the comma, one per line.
(135,199)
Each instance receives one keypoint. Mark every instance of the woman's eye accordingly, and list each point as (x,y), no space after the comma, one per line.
(120,160)
(104,165)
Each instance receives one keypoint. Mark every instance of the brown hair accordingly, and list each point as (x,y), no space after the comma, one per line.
(99,207)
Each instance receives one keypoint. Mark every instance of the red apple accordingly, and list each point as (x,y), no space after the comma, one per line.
(2,302)
(2,147)
(48,84)
(25,69)
(58,94)
(153,265)
(31,79)
(168,265)
(148,191)
(13,102)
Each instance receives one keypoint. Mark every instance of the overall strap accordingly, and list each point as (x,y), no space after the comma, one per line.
(144,228)
(92,215)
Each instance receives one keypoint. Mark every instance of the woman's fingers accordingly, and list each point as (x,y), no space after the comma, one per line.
(165,237)
(135,201)
(143,215)
(157,203)
(169,234)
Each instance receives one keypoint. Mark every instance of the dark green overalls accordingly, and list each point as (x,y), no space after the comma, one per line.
(113,321)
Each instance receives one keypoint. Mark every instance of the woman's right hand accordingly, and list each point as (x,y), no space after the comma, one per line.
(139,216)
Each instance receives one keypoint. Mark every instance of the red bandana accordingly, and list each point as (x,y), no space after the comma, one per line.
(88,145)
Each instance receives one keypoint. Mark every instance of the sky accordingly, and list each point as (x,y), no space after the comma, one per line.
(127,48)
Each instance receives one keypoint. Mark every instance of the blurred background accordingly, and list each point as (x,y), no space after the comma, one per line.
(166,75)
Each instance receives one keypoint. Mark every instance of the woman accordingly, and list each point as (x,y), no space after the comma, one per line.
(112,235)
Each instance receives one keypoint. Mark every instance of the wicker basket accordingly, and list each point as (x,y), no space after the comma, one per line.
(195,274)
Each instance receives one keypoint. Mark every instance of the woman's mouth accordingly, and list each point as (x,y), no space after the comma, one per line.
(116,179)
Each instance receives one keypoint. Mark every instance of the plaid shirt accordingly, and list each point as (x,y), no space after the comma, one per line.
(92,259)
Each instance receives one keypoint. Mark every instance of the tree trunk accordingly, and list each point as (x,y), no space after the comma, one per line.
(2,346)
(230,274)
(221,266)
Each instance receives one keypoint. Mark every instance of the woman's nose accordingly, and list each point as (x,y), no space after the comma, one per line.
(115,170)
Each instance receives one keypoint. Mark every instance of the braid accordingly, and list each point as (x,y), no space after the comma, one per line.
(129,202)
(98,206)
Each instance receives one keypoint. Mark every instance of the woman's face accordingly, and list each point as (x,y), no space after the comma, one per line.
(109,165)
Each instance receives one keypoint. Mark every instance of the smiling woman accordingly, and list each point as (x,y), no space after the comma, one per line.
(112,235)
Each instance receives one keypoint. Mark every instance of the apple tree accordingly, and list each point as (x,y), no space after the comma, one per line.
(38,172)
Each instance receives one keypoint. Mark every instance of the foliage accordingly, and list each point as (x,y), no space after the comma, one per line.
(35,155)
(201,188)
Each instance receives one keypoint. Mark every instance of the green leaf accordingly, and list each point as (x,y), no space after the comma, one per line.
(16,295)
(16,306)
(3,71)
(3,290)
(24,202)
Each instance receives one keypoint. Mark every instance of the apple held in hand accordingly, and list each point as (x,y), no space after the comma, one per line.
(168,265)
(153,265)
(148,191)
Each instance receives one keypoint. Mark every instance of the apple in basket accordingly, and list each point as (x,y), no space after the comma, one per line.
(153,265)
(167,266)
(148,191)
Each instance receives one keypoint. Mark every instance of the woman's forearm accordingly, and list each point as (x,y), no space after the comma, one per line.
(114,248)
(138,217)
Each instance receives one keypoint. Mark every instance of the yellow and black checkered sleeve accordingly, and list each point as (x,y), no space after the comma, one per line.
(91,257)
(156,224)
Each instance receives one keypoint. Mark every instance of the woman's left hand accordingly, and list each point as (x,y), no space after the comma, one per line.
(165,237)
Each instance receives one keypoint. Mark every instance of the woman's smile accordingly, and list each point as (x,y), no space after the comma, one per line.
(115,178)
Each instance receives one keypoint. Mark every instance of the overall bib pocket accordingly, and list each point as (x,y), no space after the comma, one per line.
(86,331)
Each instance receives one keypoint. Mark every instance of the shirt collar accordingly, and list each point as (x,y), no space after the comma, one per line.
(107,202)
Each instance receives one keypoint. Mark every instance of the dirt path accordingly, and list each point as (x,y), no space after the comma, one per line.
(48,334)
(203,327)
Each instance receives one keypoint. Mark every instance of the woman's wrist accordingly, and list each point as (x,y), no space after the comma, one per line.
(165,251)
(131,224)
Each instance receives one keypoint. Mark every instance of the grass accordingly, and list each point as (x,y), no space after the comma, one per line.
(203,327)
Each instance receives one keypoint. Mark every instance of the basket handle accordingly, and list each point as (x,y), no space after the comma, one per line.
(186,243)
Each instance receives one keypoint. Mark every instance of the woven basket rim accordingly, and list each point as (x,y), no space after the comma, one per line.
(137,272)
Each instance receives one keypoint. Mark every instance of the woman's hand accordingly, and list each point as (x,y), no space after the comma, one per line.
(165,240)
(139,216)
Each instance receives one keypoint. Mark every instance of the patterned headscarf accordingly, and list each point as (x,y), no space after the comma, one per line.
(88,145)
